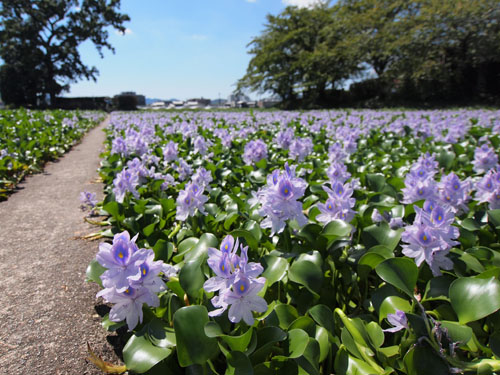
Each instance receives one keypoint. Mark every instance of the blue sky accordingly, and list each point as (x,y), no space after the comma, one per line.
(179,49)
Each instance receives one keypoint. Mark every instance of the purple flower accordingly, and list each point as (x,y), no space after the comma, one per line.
(279,200)
(419,182)
(485,159)
(338,205)
(336,153)
(88,200)
(131,279)
(243,299)
(201,145)
(488,189)
(284,138)
(202,177)
(237,282)
(184,169)
(338,173)
(300,148)
(125,181)
(398,320)
(118,146)
(189,200)
(255,151)
(120,259)
(128,304)
(454,193)
(430,238)
(170,151)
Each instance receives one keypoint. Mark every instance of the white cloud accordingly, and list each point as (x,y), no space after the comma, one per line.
(126,32)
(303,3)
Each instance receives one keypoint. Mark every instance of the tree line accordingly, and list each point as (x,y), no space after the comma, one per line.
(388,52)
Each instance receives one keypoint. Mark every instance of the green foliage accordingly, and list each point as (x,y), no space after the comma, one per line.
(39,43)
(394,51)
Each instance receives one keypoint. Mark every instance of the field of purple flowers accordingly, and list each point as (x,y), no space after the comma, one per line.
(341,242)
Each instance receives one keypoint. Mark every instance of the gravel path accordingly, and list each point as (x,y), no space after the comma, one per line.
(47,312)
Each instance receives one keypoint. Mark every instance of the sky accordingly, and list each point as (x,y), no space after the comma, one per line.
(179,48)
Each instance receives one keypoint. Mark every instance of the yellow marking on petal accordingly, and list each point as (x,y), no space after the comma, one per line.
(120,255)
(143,271)
(223,268)
(424,237)
(242,287)
(440,218)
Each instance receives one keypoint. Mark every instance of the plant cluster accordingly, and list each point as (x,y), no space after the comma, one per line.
(375,250)
(28,139)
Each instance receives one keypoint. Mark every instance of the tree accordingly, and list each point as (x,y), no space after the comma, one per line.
(292,57)
(39,42)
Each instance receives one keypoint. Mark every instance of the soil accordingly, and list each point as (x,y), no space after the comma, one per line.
(48,312)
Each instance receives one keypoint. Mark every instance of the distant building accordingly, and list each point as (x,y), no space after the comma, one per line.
(268,103)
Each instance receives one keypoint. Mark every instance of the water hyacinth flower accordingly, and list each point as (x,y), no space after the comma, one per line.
(189,200)
(203,178)
(419,182)
(398,320)
(88,200)
(338,205)
(183,168)
(170,151)
(488,189)
(132,278)
(485,159)
(279,200)
(337,172)
(454,193)
(255,151)
(236,281)
(300,148)
(125,181)
(201,145)
(431,237)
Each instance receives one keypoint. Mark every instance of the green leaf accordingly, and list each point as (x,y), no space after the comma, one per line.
(297,342)
(381,234)
(474,298)
(392,303)
(238,364)
(399,272)
(323,316)
(236,343)
(163,250)
(335,229)
(274,268)
(140,355)
(94,272)
(248,236)
(193,345)
(110,325)
(345,364)
(421,359)
(375,182)
(286,314)
(306,273)
(458,332)
(494,218)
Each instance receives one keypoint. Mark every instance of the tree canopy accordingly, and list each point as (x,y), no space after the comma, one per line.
(39,42)
(388,50)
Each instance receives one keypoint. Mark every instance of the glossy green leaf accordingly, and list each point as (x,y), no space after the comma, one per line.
(193,345)
(335,229)
(94,272)
(381,234)
(306,273)
(238,364)
(248,236)
(421,359)
(140,355)
(400,272)
(474,298)
(274,268)
(323,316)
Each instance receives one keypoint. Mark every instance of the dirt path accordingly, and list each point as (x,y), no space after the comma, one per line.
(47,310)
